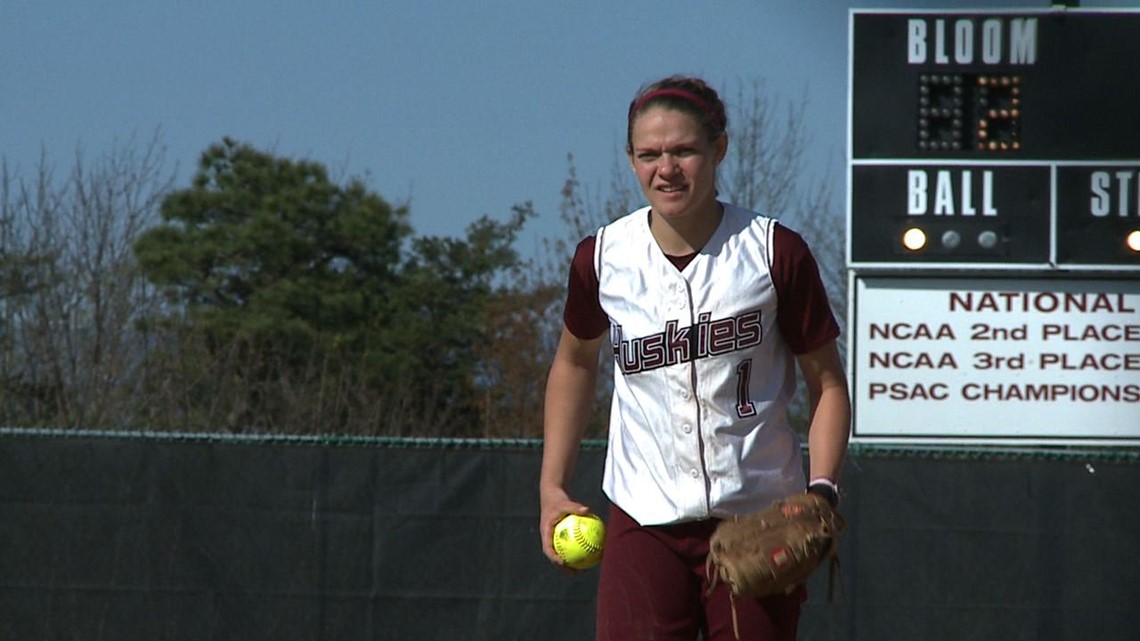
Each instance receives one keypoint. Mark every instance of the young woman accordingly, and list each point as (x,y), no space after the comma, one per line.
(707,308)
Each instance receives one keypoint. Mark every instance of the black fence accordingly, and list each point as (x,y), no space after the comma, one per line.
(135,537)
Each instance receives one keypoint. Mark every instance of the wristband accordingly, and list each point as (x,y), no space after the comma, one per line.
(826,488)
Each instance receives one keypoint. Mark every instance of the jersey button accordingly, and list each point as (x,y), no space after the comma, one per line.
(695,473)
(688,429)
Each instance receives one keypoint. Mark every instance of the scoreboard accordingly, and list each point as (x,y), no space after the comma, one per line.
(993,226)
(997,140)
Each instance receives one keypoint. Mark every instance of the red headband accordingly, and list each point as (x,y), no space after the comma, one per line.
(675,92)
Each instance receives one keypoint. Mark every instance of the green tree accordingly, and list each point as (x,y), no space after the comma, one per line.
(300,305)
(270,247)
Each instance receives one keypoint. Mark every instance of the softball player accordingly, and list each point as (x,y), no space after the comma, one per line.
(707,309)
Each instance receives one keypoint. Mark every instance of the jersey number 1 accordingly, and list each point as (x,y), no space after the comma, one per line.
(744,405)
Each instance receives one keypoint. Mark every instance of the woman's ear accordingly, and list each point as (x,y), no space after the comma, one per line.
(721,146)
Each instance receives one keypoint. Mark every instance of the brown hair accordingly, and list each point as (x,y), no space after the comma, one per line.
(683,93)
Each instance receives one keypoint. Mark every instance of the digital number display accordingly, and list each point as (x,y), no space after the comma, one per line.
(959,111)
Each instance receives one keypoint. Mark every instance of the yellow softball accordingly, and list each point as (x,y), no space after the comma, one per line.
(579,540)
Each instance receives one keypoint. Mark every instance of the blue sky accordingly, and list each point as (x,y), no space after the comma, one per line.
(461,108)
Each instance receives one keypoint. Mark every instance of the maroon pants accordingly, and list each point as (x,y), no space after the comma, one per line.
(654,585)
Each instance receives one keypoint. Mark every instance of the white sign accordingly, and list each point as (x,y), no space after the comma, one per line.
(971,359)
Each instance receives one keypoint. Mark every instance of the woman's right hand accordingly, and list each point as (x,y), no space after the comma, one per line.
(555,505)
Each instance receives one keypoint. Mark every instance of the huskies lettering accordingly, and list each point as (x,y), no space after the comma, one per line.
(683,344)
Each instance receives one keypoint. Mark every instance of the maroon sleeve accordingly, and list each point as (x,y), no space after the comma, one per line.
(583,314)
(803,312)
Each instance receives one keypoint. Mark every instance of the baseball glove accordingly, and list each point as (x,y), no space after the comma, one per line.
(774,550)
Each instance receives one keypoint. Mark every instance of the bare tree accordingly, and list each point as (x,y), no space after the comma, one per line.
(766,171)
(765,163)
(71,291)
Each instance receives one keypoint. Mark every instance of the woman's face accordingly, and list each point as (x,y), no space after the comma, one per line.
(675,162)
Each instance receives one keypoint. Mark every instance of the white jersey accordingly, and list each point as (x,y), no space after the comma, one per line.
(702,377)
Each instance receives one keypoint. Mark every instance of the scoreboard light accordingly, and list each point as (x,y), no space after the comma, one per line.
(987,239)
(1133,241)
(914,239)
